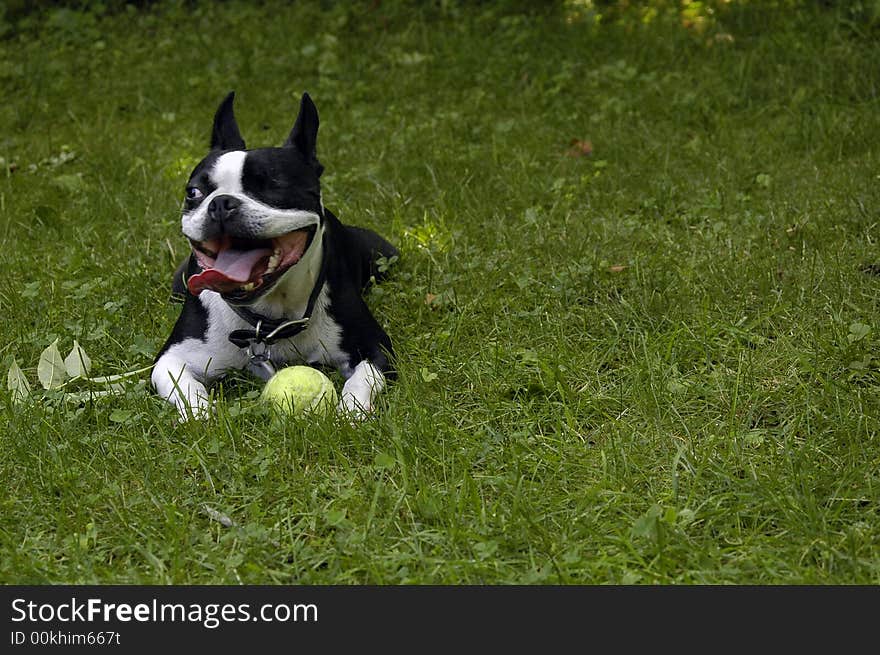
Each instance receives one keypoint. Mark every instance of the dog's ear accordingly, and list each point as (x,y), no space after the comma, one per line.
(304,135)
(225,135)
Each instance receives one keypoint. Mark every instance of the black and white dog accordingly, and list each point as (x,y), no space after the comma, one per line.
(274,278)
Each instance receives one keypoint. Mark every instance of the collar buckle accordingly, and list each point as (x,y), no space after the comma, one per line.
(260,359)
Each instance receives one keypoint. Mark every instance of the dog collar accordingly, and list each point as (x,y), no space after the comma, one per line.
(266,331)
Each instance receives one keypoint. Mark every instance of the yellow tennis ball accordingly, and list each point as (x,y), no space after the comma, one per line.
(300,390)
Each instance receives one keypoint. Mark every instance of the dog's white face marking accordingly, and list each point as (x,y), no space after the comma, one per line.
(227,172)
(226,176)
(256,220)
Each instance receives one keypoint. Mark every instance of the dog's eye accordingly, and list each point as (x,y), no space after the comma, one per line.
(194,193)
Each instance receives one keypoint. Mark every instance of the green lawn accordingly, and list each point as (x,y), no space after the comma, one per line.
(652,363)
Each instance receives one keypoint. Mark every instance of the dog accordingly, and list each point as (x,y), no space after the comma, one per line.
(273,277)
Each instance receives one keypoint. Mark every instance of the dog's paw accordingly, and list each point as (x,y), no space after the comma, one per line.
(352,410)
(202,409)
(360,391)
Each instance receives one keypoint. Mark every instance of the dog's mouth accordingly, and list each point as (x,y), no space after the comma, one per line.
(242,269)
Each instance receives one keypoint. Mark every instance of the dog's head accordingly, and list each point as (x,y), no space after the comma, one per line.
(251,215)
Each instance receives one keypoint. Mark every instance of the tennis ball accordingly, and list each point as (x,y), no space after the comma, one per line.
(300,390)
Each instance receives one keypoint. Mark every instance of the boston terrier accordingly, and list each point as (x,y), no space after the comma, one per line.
(274,278)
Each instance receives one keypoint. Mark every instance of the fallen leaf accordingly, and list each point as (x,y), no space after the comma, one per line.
(50,369)
(220,517)
(580,148)
(17,383)
(617,268)
(77,363)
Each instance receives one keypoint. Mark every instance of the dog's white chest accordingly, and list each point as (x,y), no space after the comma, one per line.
(317,344)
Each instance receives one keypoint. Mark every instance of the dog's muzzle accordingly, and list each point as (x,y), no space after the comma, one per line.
(241,268)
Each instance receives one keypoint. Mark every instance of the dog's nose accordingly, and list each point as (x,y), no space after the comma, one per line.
(220,207)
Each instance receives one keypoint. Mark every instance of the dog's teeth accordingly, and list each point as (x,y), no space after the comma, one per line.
(248,287)
(274,260)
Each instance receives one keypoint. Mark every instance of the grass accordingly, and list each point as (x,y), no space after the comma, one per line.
(651,364)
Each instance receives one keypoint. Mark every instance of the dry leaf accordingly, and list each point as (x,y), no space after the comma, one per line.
(17,383)
(580,148)
(50,369)
(77,363)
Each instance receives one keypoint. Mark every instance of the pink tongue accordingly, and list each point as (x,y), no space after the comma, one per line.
(231,269)
(237,264)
